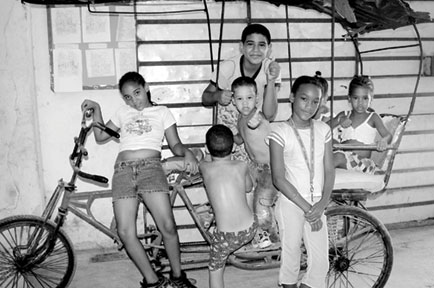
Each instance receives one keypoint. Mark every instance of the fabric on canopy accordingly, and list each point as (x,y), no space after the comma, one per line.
(357,16)
(361,16)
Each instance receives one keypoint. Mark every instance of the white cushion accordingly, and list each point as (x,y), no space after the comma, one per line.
(349,179)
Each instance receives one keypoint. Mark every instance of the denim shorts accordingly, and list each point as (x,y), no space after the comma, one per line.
(132,178)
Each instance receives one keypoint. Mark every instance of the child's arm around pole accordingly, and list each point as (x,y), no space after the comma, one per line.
(179,149)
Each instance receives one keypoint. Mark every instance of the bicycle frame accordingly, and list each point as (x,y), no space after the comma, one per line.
(178,189)
(80,203)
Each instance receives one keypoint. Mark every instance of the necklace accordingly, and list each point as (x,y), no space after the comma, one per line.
(310,164)
(242,69)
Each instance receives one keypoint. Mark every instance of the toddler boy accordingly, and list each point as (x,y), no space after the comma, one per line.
(253,128)
(226,182)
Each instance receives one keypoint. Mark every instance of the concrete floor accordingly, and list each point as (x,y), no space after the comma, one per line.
(413,267)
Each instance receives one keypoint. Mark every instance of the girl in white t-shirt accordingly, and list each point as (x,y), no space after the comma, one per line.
(302,170)
(139,174)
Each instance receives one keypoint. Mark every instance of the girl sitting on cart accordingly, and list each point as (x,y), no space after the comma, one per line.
(359,126)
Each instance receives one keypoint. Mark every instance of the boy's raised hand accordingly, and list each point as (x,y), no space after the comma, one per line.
(273,70)
(224,97)
(345,121)
(255,120)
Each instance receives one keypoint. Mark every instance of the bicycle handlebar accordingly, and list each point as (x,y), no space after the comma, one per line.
(88,114)
(106,129)
(79,151)
(97,178)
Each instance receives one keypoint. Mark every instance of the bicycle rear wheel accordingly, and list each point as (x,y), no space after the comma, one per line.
(360,252)
(24,259)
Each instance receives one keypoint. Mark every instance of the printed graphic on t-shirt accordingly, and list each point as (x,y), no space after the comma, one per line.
(138,125)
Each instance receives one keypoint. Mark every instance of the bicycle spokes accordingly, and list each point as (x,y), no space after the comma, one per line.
(360,250)
(26,258)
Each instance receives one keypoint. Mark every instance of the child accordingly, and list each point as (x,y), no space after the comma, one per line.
(302,170)
(255,47)
(139,174)
(253,127)
(360,126)
(226,182)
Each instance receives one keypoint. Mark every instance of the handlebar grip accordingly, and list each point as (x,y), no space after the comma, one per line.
(106,129)
(97,178)
(111,132)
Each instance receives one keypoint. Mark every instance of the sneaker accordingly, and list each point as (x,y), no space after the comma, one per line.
(182,281)
(162,282)
(262,240)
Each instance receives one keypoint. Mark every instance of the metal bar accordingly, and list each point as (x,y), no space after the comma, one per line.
(135,12)
(402,205)
(93,222)
(413,101)
(209,35)
(285,79)
(388,39)
(413,187)
(297,59)
(360,147)
(410,110)
(232,20)
(276,40)
(288,41)
(416,151)
(222,20)
(332,64)
(413,170)
(419,132)
(389,48)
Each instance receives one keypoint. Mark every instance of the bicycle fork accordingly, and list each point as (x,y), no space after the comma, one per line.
(39,248)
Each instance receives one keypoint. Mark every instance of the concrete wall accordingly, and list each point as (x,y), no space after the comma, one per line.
(20,156)
(38,125)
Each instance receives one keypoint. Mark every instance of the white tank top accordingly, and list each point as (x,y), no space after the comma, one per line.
(364,133)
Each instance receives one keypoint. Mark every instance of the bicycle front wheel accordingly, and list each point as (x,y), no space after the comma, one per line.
(26,259)
(360,249)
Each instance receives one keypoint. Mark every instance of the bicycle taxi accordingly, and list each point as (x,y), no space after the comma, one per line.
(36,252)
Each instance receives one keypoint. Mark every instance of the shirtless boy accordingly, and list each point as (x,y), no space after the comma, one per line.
(226,182)
(253,128)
